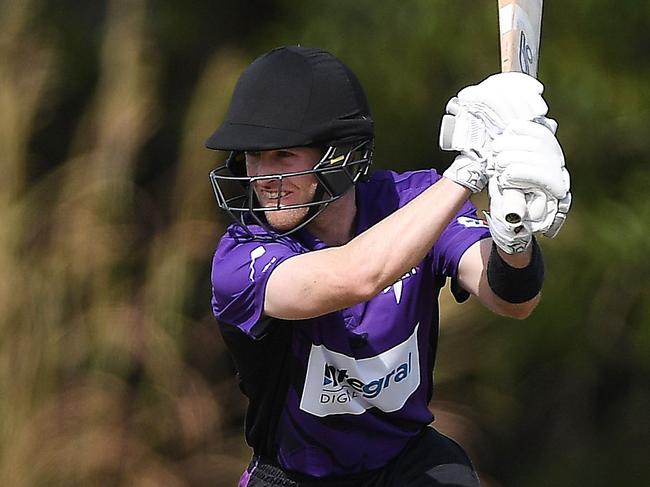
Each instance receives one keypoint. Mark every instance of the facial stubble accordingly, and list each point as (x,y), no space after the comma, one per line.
(284,220)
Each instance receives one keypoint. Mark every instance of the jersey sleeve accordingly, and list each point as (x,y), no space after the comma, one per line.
(465,229)
(240,273)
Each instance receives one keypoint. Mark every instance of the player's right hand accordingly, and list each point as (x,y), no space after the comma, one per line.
(528,158)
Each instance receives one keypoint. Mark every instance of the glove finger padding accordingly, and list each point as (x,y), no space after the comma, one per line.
(549,123)
(560,217)
(544,212)
(512,96)
(529,135)
(537,203)
(554,181)
(528,155)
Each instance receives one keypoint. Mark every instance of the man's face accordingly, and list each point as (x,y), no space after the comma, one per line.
(293,190)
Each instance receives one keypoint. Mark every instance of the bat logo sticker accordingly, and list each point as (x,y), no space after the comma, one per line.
(525,53)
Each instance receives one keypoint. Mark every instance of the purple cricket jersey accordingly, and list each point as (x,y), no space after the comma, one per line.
(342,393)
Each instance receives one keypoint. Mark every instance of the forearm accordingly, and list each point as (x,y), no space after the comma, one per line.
(400,241)
(517,289)
(320,282)
(519,260)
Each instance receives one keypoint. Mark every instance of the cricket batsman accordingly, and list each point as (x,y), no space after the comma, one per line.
(326,285)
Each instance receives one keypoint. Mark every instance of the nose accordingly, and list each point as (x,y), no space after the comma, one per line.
(262,164)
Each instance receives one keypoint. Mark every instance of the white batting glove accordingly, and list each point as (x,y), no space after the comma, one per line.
(481,112)
(512,238)
(469,170)
(528,158)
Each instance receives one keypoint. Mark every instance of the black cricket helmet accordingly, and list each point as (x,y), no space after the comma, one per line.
(293,97)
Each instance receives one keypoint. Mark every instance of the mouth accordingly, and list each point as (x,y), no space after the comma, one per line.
(273,197)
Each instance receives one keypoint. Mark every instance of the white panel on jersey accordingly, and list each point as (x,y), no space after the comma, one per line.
(338,384)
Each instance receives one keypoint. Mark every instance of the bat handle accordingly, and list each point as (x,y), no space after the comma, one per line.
(514,205)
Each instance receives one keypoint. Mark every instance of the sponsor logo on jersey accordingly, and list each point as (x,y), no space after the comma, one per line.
(338,379)
(339,384)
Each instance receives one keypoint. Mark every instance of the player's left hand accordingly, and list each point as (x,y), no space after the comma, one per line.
(527,157)
(481,112)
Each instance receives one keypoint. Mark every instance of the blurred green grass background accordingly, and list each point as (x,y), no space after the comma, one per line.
(112,371)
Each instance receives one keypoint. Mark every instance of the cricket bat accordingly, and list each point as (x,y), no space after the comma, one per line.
(520,23)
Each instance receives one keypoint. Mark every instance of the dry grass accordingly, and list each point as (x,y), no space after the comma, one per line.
(96,387)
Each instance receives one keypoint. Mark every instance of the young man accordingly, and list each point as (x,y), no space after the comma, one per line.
(326,287)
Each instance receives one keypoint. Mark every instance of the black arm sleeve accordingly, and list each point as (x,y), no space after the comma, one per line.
(512,284)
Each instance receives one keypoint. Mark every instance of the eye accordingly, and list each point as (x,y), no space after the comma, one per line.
(284,153)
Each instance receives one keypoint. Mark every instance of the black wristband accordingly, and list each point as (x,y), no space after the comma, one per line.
(512,284)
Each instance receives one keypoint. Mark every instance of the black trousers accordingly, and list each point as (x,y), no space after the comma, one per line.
(430,459)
